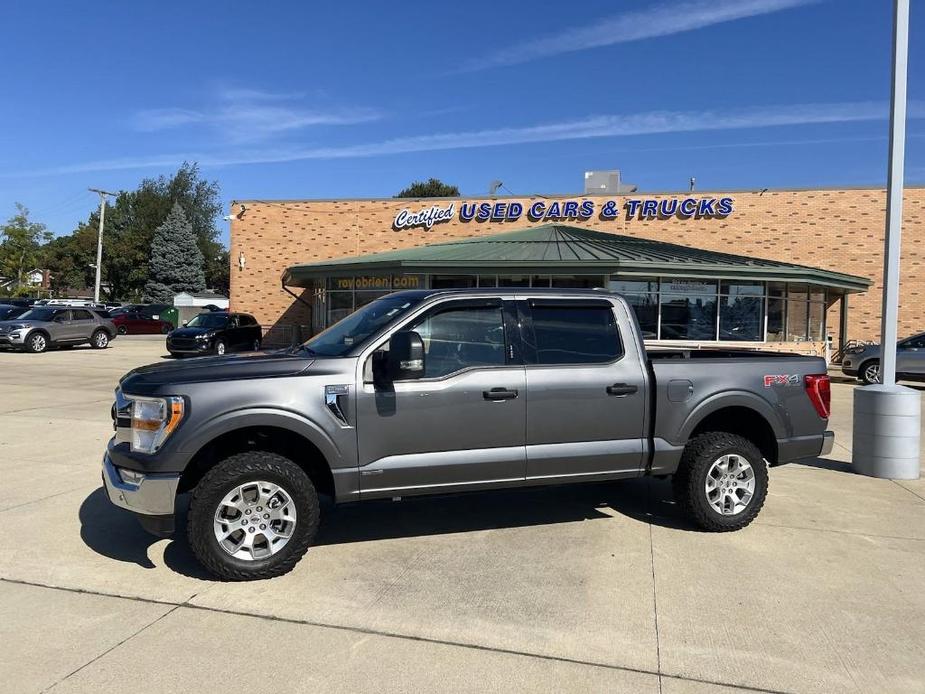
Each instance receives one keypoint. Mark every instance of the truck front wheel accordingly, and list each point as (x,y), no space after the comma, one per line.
(252,516)
(722,481)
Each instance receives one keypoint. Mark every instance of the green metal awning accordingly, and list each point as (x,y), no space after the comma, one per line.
(567,250)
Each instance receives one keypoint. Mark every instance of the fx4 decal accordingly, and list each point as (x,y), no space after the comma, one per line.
(781,380)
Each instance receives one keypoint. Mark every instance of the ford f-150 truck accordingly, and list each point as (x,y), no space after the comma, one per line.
(423,392)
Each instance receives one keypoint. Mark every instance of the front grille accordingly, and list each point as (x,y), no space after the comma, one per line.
(184,342)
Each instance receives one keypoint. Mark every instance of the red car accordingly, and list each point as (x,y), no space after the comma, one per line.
(134,323)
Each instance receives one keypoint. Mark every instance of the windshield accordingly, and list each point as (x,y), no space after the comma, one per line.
(209,320)
(356,328)
(45,314)
(7,312)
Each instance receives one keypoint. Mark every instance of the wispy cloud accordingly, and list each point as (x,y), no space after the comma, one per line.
(648,123)
(661,20)
(248,115)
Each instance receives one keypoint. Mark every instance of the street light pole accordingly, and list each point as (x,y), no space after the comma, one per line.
(99,242)
(887,416)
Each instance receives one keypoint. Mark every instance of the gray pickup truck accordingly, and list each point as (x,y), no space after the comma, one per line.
(424,392)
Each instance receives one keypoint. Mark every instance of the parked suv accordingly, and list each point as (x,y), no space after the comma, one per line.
(428,392)
(56,326)
(863,362)
(216,333)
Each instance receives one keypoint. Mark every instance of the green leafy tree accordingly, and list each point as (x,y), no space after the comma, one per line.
(21,245)
(431,188)
(217,268)
(131,222)
(176,261)
(70,259)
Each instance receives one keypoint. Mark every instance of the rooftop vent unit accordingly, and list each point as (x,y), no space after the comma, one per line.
(606,183)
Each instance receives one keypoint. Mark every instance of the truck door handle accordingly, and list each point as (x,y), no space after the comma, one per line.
(621,389)
(499,394)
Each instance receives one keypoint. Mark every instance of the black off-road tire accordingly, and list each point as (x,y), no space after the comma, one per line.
(231,472)
(690,480)
(99,339)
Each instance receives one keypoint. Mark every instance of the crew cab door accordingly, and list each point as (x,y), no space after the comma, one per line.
(460,425)
(586,400)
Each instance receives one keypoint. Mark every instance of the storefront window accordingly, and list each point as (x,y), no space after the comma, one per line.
(666,308)
(776,320)
(741,288)
(452,281)
(816,320)
(577,282)
(796,319)
(741,318)
(642,295)
(688,310)
(340,305)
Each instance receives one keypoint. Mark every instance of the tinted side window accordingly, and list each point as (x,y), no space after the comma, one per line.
(248,320)
(458,338)
(575,335)
(80,314)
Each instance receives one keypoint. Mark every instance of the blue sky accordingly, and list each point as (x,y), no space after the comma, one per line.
(318,100)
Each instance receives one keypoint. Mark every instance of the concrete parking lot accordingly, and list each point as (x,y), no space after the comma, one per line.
(588,588)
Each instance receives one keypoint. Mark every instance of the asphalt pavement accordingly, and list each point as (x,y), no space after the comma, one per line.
(599,587)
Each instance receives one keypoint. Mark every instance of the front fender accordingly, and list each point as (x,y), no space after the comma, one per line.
(259,417)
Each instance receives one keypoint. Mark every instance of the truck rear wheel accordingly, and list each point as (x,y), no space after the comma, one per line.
(722,481)
(252,516)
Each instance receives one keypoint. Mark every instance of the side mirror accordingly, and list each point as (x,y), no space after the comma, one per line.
(405,358)
(185,322)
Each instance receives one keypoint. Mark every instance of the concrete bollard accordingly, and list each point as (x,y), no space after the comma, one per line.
(887,425)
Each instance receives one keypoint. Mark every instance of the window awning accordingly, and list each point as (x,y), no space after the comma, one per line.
(559,249)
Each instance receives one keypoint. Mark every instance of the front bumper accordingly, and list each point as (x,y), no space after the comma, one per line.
(152,497)
(201,347)
(17,341)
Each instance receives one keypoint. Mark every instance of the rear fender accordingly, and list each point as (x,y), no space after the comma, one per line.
(776,419)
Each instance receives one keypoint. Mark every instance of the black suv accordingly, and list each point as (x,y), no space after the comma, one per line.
(216,332)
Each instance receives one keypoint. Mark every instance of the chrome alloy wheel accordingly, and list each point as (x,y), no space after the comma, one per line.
(255,520)
(102,339)
(872,372)
(220,348)
(38,343)
(730,484)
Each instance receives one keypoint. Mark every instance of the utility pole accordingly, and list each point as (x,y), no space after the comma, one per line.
(99,241)
(887,417)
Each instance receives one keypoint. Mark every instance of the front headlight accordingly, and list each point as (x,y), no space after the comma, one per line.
(153,421)
(203,336)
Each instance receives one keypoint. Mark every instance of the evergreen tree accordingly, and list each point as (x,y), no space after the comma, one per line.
(176,263)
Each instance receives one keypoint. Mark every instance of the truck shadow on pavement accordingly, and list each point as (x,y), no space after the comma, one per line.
(113,533)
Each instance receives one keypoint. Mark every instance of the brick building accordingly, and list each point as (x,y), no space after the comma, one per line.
(834,231)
